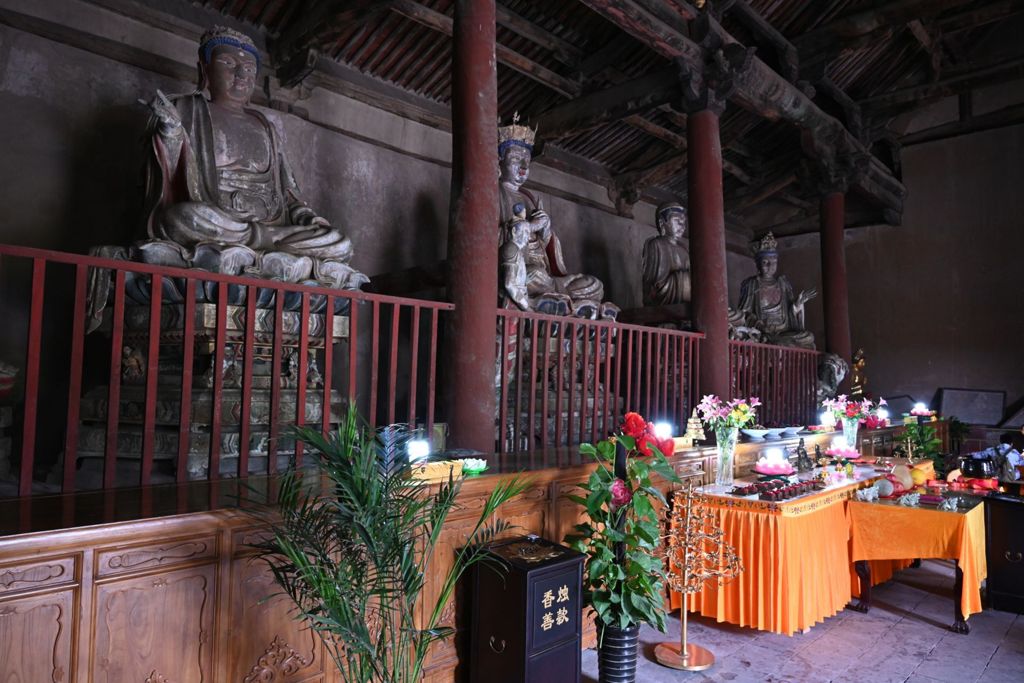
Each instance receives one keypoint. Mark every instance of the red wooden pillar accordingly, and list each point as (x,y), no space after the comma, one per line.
(835,300)
(472,228)
(707,246)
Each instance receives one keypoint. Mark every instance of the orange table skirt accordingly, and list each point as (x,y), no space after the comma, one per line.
(796,565)
(891,532)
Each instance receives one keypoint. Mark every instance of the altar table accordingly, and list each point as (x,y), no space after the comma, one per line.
(888,531)
(796,560)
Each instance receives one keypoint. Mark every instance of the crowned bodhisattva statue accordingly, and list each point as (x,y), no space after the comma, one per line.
(220,193)
(666,263)
(768,305)
(533,273)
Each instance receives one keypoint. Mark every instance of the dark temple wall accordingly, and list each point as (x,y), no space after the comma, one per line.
(937,302)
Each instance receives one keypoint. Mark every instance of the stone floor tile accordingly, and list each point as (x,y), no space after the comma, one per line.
(952,666)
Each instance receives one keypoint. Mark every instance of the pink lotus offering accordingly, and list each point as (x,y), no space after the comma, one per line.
(841,453)
(773,462)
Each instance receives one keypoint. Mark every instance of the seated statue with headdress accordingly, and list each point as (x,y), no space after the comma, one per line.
(220,193)
(768,305)
(533,273)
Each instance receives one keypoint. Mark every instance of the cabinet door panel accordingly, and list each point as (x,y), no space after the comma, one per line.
(155,627)
(266,643)
(35,638)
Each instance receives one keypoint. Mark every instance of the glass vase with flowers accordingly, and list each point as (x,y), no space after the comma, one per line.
(726,419)
(850,413)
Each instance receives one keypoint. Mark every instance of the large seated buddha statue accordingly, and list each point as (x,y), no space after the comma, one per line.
(767,304)
(533,273)
(220,193)
(666,263)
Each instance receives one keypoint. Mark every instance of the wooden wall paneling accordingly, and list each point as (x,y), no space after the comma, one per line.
(116,560)
(37,634)
(443,656)
(266,642)
(157,624)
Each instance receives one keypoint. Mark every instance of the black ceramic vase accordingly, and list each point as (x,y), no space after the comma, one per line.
(616,657)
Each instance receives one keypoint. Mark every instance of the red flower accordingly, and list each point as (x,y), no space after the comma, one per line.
(643,444)
(621,495)
(852,410)
(667,446)
(634,425)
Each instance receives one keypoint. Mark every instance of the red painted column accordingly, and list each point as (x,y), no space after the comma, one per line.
(835,294)
(707,249)
(473,229)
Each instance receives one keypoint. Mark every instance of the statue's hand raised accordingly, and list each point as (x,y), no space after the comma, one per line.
(540,221)
(806,296)
(165,113)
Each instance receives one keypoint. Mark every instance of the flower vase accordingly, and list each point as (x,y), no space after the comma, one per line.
(850,427)
(725,443)
(616,661)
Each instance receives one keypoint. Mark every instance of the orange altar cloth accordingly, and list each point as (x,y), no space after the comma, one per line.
(887,531)
(796,561)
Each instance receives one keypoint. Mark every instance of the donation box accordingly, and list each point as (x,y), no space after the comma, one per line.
(526,620)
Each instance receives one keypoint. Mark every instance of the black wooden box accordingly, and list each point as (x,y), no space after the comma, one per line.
(1004,546)
(526,621)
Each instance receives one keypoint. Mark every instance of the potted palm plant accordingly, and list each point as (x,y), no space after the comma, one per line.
(624,579)
(351,547)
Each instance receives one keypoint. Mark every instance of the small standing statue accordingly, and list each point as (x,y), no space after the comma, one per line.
(533,273)
(768,305)
(696,552)
(803,460)
(859,380)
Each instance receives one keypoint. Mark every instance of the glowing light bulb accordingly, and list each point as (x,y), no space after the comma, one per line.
(663,430)
(827,419)
(882,414)
(418,449)
(920,407)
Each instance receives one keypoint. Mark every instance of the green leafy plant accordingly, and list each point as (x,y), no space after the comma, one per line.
(624,577)
(352,545)
(922,441)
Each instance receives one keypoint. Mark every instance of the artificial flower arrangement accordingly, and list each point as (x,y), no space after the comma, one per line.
(624,578)
(726,418)
(719,414)
(847,409)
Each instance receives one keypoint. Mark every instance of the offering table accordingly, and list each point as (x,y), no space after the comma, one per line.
(795,555)
(885,530)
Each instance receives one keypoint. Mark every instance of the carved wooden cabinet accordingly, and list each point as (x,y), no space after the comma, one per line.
(177,600)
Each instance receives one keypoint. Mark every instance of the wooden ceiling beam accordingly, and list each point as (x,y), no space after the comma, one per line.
(931,45)
(1007,116)
(967,77)
(319,22)
(654,130)
(766,34)
(562,49)
(867,21)
(611,104)
(442,23)
(809,223)
(760,89)
(973,18)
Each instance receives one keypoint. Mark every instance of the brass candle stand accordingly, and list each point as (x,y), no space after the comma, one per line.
(696,552)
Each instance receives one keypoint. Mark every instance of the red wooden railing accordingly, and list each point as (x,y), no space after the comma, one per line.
(379,351)
(563,381)
(784,378)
